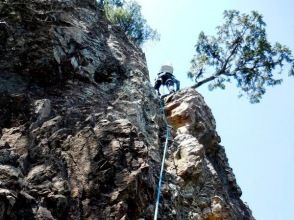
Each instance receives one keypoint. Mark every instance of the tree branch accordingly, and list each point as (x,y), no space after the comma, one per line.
(204,81)
(222,71)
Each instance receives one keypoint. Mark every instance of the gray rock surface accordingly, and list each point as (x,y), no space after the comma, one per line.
(81,130)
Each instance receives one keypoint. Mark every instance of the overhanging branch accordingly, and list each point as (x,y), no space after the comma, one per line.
(222,71)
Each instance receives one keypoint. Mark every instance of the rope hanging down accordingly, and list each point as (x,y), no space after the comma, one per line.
(162,163)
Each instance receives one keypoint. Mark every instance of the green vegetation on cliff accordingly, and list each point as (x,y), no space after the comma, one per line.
(127,15)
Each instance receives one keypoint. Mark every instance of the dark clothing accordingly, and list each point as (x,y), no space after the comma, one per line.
(165,78)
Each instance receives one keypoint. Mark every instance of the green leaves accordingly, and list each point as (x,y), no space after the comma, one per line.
(128,16)
(240,51)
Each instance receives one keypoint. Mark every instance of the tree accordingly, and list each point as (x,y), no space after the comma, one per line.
(118,3)
(127,15)
(240,51)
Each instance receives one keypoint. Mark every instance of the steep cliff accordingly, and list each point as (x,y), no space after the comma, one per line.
(81,129)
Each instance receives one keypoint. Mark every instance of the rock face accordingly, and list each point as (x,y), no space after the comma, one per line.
(200,183)
(81,129)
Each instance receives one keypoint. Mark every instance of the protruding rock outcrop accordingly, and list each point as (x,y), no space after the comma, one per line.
(200,183)
(81,128)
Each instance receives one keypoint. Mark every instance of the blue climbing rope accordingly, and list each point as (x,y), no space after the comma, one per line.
(162,163)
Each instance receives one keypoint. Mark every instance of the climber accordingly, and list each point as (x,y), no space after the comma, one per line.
(166,78)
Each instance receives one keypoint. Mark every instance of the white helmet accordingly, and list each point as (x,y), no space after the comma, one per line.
(167,68)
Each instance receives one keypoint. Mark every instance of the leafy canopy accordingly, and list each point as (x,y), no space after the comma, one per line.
(240,51)
(118,3)
(127,15)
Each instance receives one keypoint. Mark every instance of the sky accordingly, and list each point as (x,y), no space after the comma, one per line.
(258,138)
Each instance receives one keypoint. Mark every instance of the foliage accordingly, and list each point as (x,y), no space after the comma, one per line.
(127,15)
(240,51)
(118,3)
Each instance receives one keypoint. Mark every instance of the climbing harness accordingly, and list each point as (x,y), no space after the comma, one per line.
(162,163)
(170,85)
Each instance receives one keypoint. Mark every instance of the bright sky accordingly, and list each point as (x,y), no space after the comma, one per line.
(258,138)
